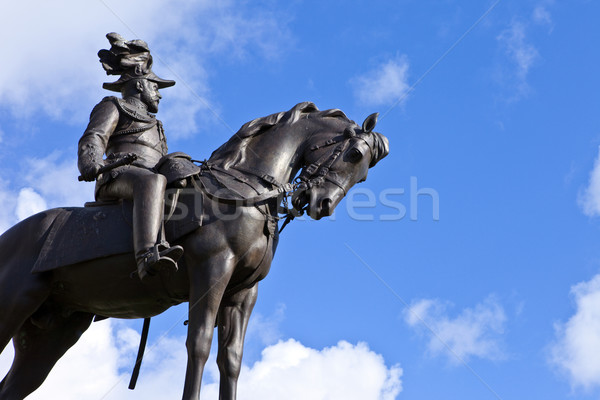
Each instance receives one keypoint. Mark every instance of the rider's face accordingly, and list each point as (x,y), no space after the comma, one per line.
(150,95)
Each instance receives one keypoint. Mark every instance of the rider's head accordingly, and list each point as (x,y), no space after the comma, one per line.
(132,60)
(145,90)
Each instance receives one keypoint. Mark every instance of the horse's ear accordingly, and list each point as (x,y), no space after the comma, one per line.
(370,123)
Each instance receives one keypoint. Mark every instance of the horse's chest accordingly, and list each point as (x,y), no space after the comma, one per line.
(255,265)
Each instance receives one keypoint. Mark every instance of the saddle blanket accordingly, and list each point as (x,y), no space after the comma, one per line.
(81,234)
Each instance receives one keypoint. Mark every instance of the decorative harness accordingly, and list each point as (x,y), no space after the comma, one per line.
(312,176)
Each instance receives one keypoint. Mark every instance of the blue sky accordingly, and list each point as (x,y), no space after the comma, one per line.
(467,266)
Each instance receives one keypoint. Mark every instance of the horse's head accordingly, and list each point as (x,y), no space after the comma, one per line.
(337,158)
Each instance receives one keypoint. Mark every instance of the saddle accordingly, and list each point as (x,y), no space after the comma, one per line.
(102,229)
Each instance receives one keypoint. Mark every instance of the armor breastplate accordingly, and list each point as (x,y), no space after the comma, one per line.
(137,132)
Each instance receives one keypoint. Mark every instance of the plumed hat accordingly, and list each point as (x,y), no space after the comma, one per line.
(131,59)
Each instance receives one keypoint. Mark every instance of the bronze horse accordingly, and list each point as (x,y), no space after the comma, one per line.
(45,313)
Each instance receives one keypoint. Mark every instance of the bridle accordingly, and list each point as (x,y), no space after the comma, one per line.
(318,172)
(313,175)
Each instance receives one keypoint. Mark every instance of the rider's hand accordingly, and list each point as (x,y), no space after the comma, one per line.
(90,172)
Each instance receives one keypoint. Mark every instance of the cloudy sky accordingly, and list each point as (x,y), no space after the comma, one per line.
(466,267)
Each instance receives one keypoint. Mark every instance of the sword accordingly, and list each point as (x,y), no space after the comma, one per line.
(129,158)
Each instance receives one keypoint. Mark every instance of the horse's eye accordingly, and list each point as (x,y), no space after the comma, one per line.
(354,155)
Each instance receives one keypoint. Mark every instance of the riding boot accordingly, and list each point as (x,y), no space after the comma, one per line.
(151,256)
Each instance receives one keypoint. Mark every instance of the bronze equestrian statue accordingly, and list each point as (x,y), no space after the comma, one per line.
(125,129)
(62,268)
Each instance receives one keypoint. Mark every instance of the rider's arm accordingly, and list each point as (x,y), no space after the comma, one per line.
(92,145)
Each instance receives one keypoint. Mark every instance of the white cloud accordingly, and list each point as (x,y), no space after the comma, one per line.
(575,351)
(74,370)
(292,371)
(521,53)
(589,198)
(287,370)
(54,177)
(100,365)
(266,329)
(8,199)
(475,332)
(383,85)
(51,63)
(29,202)
(46,182)
(541,15)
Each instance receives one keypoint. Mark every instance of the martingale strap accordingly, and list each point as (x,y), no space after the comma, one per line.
(140,355)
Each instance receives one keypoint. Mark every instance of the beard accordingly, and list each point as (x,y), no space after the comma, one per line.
(152,106)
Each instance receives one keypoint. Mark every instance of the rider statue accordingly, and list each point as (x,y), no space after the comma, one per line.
(133,140)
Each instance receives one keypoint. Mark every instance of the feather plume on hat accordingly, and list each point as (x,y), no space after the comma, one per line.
(129,58)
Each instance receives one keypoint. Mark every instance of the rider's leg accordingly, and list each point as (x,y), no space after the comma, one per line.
(147,190)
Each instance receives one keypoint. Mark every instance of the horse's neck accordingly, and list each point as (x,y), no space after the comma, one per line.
(276,153)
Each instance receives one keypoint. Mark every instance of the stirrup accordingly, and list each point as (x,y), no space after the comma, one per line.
(153,261)
(166,250)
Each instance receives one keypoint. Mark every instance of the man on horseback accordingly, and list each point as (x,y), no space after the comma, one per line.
(133,140)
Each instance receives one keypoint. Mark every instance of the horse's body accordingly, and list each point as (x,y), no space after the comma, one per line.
(45,313)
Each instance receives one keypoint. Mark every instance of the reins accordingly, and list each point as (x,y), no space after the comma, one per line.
(311,176)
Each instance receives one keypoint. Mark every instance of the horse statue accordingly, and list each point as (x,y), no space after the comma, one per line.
(62,268)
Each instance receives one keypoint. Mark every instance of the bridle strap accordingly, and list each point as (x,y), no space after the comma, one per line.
(319,170)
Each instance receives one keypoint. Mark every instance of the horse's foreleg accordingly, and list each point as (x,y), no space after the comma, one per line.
(207,285)
(37,350)
(232,323)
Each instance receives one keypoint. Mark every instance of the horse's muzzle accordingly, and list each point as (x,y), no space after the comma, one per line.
(322,204)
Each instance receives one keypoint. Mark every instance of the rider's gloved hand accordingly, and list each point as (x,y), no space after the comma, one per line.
(90,171)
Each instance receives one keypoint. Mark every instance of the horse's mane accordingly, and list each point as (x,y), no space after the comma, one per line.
(234,150)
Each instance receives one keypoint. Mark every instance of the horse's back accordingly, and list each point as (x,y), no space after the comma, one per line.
(84,233)
(25,239)
(64,236)
(96,278)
